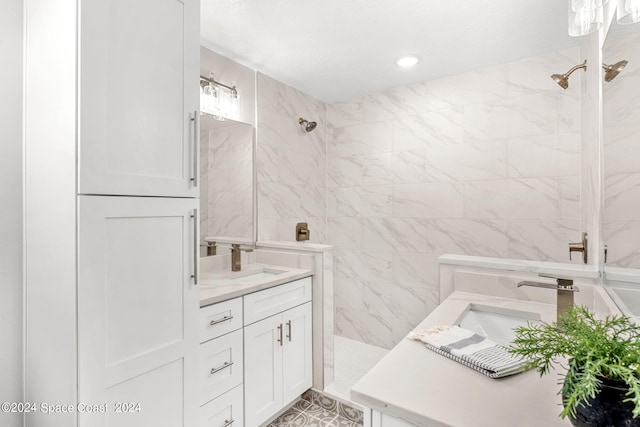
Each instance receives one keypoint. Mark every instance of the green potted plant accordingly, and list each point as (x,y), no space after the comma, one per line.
(602,383)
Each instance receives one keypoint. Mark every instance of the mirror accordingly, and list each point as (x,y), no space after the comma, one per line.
(621,174)
(226,173)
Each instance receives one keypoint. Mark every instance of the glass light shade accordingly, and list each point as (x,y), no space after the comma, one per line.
(584,5)
(628,11)
(585,21)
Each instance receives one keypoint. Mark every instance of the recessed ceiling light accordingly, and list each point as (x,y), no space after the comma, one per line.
(407,61)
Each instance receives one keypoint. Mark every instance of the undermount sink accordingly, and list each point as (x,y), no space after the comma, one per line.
(496,323)
(241,277)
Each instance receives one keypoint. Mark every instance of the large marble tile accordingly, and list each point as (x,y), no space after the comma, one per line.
(402,101)
(368,138)
(423,130)
(621,153)
(530,198)
(428,200)
(544,155)
(527,115)
(364,201)
(401,234)
(622,197)
(469,160)
(622,240)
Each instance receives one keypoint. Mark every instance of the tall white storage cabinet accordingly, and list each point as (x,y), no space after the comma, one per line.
(111,100)
(138,106)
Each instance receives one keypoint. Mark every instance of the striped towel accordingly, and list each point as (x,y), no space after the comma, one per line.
(471,349)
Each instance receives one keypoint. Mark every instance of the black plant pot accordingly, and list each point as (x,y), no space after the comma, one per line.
(607,409)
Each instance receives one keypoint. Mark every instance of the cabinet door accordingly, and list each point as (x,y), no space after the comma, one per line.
(137,311)
(297,355)
(263,369)
(139,66)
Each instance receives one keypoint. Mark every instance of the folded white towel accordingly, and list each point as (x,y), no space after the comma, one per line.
(471,349)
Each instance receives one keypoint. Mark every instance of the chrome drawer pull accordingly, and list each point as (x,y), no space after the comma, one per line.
(227,423)
(224,319)
(225,366)
(280,333)
(289,334)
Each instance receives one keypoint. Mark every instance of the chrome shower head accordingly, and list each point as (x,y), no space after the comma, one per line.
(611,71)
(307,125)
(563,79)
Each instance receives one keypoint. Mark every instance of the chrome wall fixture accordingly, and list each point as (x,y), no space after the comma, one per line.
(610,72)
(307,125)
(218,99)
(563,79)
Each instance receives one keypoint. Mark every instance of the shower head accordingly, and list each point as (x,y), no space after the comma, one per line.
(611,71)
(563,79)
(307,125)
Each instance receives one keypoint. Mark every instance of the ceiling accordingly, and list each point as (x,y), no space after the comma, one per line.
(336,50)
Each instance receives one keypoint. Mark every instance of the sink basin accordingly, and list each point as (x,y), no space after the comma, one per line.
(241,277)
(496,323)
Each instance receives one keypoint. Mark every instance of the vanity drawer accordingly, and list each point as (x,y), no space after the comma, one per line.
(225,411)
(221,318)
(221,365)
(262,304)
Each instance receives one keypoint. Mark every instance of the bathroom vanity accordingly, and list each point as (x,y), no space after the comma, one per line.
(413,386)
(256,342)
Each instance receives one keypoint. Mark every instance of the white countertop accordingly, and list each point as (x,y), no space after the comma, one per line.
(211,293)
(427,389)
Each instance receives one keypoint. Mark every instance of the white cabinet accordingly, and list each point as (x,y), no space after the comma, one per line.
(278,358)
(224,411)
(137,310)
(221,366)
(110,306)
(219,319)
(138,97)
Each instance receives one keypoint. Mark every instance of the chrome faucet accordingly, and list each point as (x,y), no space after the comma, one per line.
(565,288)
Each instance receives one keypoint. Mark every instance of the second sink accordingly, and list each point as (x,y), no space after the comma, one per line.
(496,323)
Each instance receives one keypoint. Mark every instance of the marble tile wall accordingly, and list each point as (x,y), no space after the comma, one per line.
(621,113)
(482,163)
(291,163)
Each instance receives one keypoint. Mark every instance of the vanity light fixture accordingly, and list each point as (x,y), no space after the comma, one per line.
(628,12)
(585,16)
(218,99)
(407,61)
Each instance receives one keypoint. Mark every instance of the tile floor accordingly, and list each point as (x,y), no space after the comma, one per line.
(317,410)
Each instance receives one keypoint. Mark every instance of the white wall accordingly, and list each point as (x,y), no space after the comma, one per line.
(11,207)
